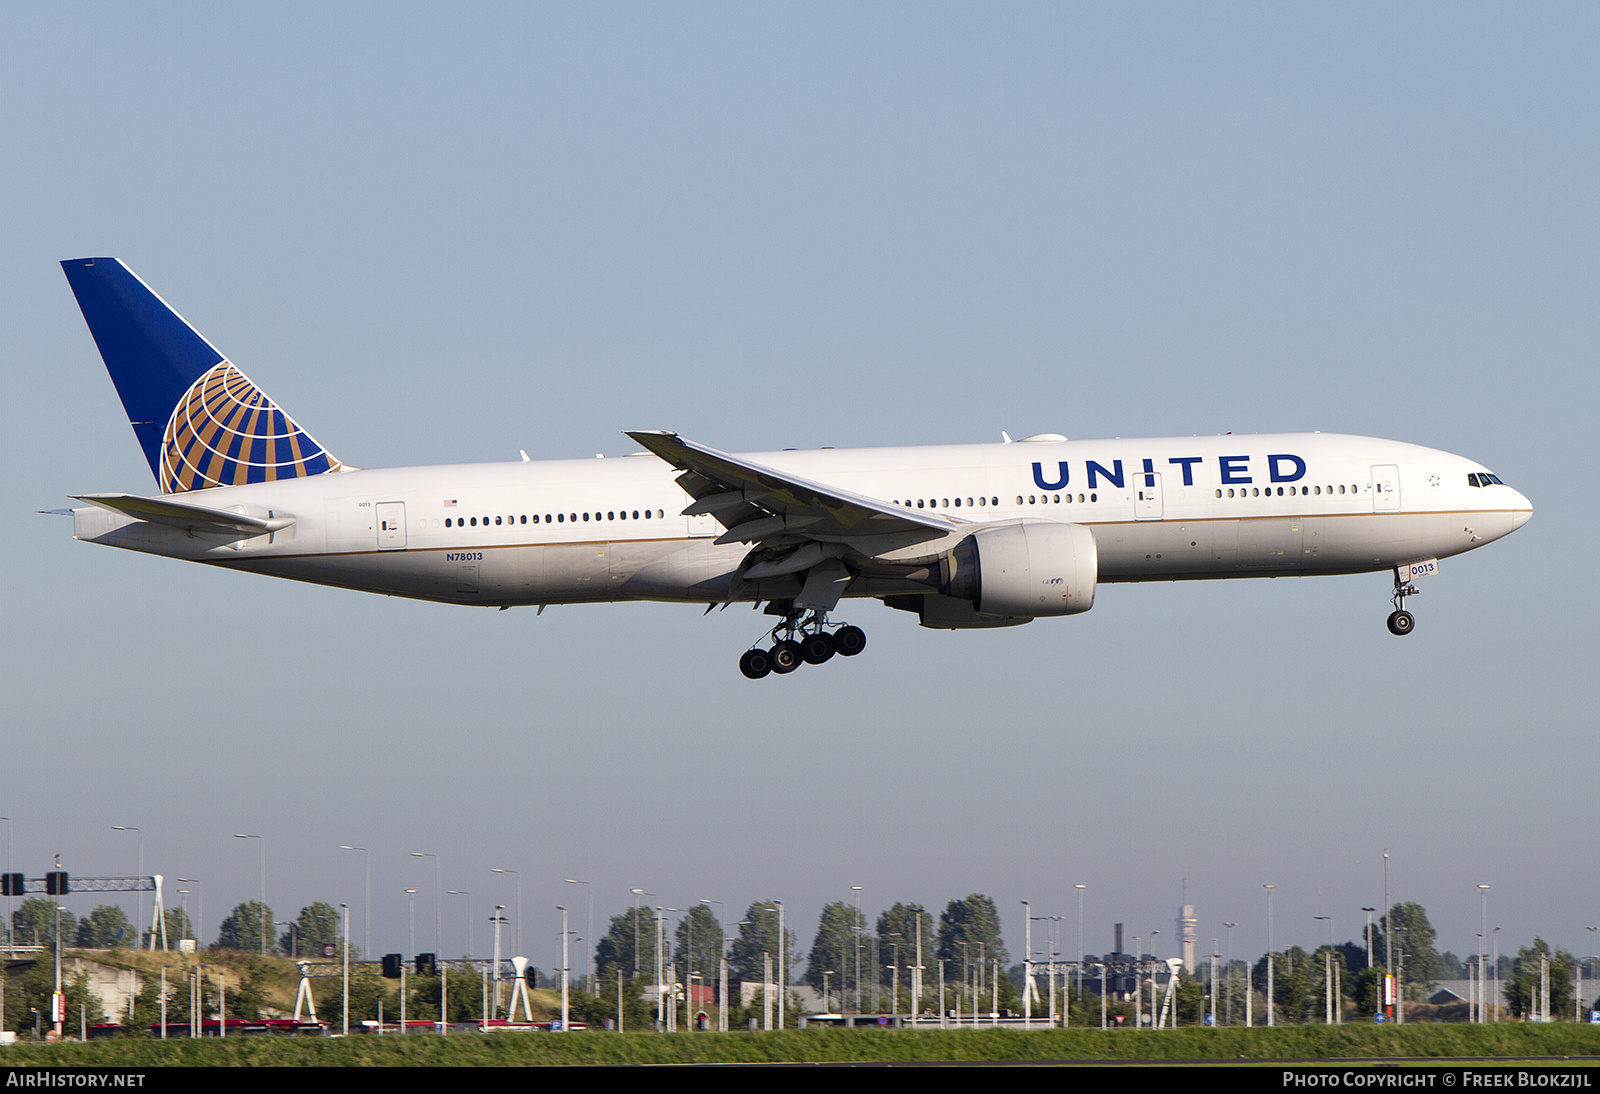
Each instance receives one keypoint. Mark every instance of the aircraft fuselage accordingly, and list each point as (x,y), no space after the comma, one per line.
(573,531)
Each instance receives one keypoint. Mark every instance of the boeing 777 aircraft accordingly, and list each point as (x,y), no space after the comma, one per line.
(964,536)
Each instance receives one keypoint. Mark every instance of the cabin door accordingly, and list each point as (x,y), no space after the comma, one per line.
(1385,488)
(391,525)
(1147,495)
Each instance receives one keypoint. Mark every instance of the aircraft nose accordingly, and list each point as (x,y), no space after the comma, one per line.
(1521,510)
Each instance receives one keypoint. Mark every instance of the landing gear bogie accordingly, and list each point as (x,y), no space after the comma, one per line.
(798,641)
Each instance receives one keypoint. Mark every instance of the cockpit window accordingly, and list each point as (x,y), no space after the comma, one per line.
(1483,478)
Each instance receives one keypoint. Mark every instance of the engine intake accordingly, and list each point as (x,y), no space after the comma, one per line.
(1030,568)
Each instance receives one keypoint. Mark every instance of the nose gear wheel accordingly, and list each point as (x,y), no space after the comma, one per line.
(1401,622)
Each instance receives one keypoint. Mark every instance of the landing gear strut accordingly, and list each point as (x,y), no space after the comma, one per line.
(1401,621)
(801,638)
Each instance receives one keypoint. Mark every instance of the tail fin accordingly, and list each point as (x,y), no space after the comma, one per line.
(200,421)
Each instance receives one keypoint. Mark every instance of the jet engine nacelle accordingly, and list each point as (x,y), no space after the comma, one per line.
(1031,568)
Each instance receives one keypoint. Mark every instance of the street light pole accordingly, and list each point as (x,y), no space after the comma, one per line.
(588,951)
(438,904)
(495,975)
(516,938)
(344,929)
(1483,929)
(1228,988)
(366,940)
(266,927)
(783,949)
(1080,889)
(139,942)
(1269,888)
(565,966)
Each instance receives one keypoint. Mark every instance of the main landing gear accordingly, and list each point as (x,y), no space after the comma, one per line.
(1401,621)
(798,641)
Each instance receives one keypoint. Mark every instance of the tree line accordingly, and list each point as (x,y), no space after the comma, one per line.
(36,921)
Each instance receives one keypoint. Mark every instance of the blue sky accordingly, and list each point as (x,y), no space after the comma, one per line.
(445,235)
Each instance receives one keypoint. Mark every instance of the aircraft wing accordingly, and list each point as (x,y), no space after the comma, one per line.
(759,504)
(186,515)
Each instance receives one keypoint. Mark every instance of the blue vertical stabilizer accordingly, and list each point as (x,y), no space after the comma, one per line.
(200,421)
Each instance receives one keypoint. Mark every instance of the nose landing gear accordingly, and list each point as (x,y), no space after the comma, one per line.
(799,640)
(1401,621)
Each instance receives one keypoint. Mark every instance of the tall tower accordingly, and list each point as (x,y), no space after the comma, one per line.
(1186,933)
(1186,928)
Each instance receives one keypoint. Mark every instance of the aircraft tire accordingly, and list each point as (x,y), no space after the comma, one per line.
(1401,623)
(755,663)
(817,648)
(849,641)
(785,657)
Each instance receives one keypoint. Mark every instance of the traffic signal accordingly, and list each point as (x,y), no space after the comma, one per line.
(427,965)
(55,883)
(391,966)
(12,884)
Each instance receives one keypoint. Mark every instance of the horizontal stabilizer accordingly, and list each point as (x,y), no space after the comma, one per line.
(187,516)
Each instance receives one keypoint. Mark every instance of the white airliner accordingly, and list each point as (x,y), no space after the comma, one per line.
(977,535)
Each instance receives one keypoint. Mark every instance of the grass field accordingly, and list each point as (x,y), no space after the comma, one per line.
(1511,1041)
